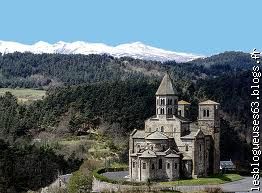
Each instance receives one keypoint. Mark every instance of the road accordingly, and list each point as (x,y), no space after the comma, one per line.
(243,185)
(240,186)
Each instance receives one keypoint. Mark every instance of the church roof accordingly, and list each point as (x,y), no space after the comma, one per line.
(160,153)
(182,102)
(148,154)
(166,86)
(209,102)
(186,157)
(192,135)
(157,135)
(138,134)
(171,155)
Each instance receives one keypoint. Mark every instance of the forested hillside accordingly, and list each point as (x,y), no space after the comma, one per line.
(28,70)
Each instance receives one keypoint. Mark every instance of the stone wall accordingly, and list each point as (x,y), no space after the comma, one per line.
(170,169)
(99,186)
(173,172)
(208,127)
(199,157)
(154,124)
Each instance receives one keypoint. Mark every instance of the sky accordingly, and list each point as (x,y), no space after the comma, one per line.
(193,26)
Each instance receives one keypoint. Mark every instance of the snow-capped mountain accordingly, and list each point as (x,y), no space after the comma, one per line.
(135,50)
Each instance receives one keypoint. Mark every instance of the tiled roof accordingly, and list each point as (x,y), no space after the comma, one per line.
(160,153)
(138,134)
(171,155)
(157,135)
(208,102)
(148,154)
(192,135)
(166,86)
(186,157)
(182,102)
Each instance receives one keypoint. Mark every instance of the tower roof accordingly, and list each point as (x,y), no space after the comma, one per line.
(166,86)
(182,102)
(208,102)
(172,155)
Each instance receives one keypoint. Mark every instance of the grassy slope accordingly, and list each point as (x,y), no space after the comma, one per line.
(25,95)
(86,147)
(219,179)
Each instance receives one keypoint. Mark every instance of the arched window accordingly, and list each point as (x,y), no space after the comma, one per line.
(169,101)
(169,111)
(204,113)
(167,165)
(200,148)
(162,111)
(153,166)
(162,129)
(180,112)
(207,113)
(157,101)
(160,164)
(134,164)
(138,148)
(162,101)
(186,147)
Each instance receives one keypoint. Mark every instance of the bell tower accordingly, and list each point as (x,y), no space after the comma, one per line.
(209,123)
(166,98)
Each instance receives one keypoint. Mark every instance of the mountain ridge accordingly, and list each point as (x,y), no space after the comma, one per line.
(136,50)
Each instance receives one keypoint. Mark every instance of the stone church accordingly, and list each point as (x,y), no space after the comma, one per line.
(171,146)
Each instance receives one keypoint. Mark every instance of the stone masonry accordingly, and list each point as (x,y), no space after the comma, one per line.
(171,146)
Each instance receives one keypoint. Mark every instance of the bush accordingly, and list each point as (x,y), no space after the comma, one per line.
(213,190)
(80,181)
